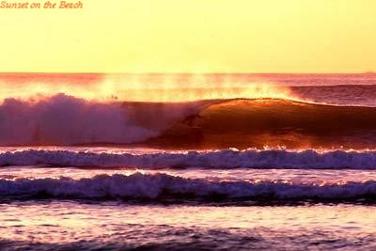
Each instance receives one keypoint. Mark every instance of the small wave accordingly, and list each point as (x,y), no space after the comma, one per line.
(161,186)
(342,93)
(220,159)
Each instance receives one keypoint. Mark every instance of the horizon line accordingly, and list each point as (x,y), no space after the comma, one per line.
(188,73)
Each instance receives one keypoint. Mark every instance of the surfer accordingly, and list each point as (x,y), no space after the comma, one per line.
(191,119)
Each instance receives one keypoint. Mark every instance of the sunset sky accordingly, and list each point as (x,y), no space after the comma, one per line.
(192,36)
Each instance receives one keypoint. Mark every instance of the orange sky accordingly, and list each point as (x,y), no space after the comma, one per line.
(192,36)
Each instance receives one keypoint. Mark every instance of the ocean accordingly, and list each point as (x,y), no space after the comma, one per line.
(231,171)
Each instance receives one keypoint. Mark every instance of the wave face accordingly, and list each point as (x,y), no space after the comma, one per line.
(224,159)
(160,186)
(271,122)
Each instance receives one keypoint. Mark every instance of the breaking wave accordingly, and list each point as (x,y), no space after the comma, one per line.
(161,186)
(213,124)
(220,159)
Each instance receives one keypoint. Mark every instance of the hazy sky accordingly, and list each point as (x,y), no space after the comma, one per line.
(192,36)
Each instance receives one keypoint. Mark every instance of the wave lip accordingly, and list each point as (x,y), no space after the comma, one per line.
(161,186)
(220,159)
